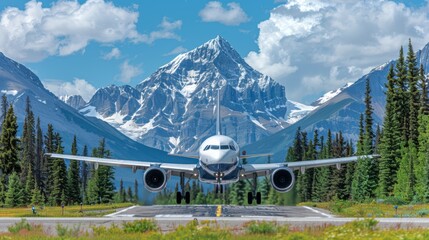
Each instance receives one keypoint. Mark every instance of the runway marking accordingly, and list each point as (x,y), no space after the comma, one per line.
(318,212)
(219,211)
(123,210)
(173,216)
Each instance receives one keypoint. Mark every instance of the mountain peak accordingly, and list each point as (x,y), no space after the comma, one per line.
(217,43)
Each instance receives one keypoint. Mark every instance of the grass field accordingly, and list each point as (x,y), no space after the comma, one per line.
(147,229)
(97,210)
(373,209)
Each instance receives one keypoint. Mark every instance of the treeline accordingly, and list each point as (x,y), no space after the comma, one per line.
(27,177)
(401,174)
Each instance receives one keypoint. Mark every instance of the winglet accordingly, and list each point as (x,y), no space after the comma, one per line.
(218,113)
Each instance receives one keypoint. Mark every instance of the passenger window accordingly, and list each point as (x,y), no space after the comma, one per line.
(224,147)
(232,147)
(214,147)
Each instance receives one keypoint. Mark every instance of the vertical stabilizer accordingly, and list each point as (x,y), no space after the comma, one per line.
(218,113)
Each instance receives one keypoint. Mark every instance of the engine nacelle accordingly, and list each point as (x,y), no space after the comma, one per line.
(155,179)
(282,179)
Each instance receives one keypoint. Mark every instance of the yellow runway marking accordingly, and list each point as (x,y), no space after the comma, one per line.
(219,211)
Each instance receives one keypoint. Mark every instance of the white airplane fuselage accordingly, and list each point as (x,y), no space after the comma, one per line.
(219,160)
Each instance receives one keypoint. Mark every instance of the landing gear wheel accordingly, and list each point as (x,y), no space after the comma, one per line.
(258,198)
(249,198)
(187,197)
(221,189)
(178,197)
(217,189)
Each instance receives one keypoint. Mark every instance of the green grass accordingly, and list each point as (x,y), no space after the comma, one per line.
(373,209)
(69,211)
(256,230)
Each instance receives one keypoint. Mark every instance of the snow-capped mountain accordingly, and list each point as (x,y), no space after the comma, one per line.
(18,83)
(339,113)
(75,101)
(172,109)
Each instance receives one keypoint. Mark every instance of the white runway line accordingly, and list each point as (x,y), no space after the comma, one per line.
(123,210)
(318,212)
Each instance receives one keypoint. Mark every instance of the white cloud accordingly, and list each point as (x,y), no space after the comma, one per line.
(77,87)
(128,72)
(215,12)
(177,50)
(114,53)
(166,31)
(67,26)
(316,46)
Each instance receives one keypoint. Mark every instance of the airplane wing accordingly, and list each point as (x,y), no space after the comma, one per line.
(256,155)
(265,168)
(184,156)
(174,168)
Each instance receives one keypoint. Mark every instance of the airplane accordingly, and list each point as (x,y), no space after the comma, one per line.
(219,164)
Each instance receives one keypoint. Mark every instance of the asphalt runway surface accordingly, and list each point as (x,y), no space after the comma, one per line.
(160,211)
(169,217)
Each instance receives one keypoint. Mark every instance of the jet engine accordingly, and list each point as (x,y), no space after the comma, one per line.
(282,179)
(155,179)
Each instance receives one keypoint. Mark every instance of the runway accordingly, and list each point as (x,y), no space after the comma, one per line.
(160,211)
(168,217)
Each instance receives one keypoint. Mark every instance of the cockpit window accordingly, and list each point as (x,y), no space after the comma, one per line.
(207,148)
(224,147)
(214,147)
(232,147)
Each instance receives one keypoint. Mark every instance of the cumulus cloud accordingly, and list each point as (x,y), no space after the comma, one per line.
(316,46)
(215,12)
(166,31)
(76,87)
(114,53)
(67,26)
(128,72)
(177,50)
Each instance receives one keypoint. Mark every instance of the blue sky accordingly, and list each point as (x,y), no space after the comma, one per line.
(309,46)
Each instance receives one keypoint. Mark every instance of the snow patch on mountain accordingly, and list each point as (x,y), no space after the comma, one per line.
(296,111)
(331,94)
(9,92)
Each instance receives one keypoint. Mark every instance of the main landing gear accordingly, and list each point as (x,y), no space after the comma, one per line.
(254,195)
(183,195)
(219,187)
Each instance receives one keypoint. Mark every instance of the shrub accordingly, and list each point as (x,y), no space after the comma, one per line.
(140,226)
(64,231)
(261,227)
(23,224)
(423,212)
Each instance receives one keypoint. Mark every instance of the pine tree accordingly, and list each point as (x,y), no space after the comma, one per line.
(92,195)
(424,98)
(39,155)
(47,165)
(129,195)
(9,144)
(121,192)
(414,94)
(85,173)
(73,177)
(389,149)
(29,186)
(36,195)
(401,97)
(59,175)
(14,194)
(28,141)
(360,189)
(136,191)
(422,164)
(4,105)
(369,142)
